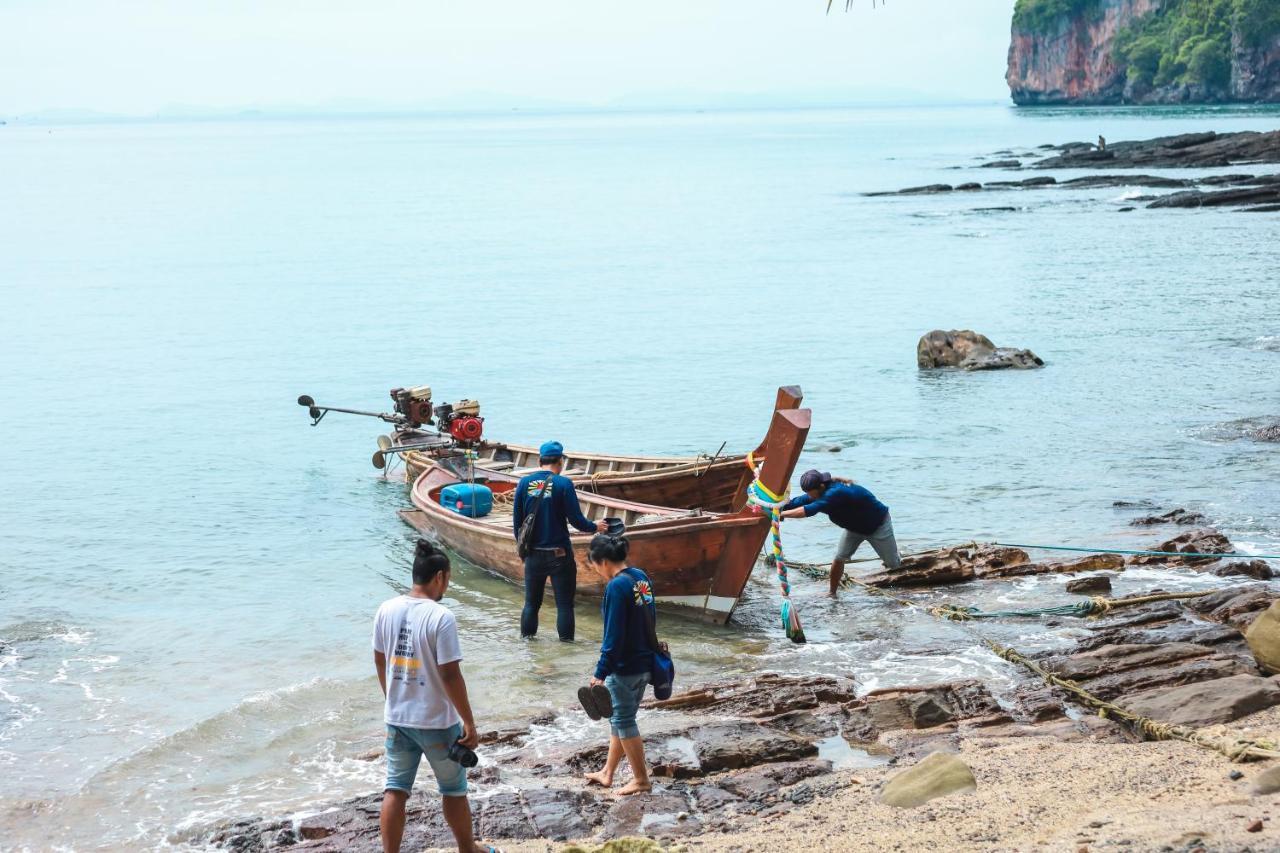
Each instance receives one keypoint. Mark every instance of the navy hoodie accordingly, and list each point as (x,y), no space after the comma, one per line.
(556,511)
(625,649)
(851,507)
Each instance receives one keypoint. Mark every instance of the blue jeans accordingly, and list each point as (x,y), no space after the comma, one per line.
(626,691)
(539,567)
(405,748)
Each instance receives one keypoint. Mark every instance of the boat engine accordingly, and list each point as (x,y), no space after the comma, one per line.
(413,404)
(461,421)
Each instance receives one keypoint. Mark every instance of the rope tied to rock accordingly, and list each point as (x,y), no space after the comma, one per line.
(760,495)
(1233,747)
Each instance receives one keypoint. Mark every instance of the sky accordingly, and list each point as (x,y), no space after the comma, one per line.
(139,57)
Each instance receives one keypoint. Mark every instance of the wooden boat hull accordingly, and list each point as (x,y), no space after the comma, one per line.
(699,562)
(681,482)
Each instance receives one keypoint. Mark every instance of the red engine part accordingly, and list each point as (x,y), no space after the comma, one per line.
(466,428)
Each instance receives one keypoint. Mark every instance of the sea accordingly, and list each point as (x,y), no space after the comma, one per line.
(189,569)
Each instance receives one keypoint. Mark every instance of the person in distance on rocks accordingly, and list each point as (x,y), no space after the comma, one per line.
(851,507)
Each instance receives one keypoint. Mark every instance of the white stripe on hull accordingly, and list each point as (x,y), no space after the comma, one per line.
(712,604)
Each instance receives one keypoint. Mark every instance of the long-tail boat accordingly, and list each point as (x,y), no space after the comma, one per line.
(699,561)
(714,484)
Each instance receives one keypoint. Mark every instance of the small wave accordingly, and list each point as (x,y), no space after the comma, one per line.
(1267,343)
(1255,428)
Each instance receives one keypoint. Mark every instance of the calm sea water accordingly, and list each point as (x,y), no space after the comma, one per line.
(188,571)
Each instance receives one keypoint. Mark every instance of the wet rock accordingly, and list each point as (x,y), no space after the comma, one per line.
(507,735)
(766,695)
(1263,638)
(1090,182)
(1177,516)
(1267,433)
(1219,198)
(950,565)
(656,814)
(1180,631)
(1091,585)
(1206,702)
(938,775)
(1113,687)
(1241,609)
(502,815)
(968,350)
(1037,704)
(729,746)
(1190,150)
(1109,660)
(1090,563)
(1268,781)
(763,782)
(557,813)
(1204,540)
(971,187)
(1003,164)
(913,708)
(1257,569)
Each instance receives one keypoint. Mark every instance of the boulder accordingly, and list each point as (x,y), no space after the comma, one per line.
(968,350)
(1177,516)
(1263,638)
(950,565)
(1258,569)
(1267,782)
(1206,702)
(938,775)
(1204,540)
(1267,433)
(1091,585)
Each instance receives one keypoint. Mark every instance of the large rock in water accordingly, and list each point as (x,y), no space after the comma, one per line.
(969,350)
(938,775)
(1263,638)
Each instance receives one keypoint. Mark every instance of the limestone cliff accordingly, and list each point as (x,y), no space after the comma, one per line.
(1145,51)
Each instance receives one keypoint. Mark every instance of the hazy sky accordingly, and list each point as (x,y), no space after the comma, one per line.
(138,56)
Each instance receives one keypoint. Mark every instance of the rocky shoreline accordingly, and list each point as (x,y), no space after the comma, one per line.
(734,761)
(1257,193)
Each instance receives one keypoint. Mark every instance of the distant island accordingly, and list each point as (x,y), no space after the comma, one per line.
(1145,52)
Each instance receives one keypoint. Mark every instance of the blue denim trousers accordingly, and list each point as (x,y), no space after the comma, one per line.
(626,691)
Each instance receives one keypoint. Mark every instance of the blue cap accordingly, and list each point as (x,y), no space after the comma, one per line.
(551,450)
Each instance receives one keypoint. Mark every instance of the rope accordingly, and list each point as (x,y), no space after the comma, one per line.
(1178,554)
(1095,606)
(1233,747)
(760,495)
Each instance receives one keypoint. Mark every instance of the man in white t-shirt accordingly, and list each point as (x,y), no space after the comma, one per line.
(415,650)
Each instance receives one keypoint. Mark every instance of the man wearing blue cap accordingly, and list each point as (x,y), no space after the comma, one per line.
(851,507)
(553,501)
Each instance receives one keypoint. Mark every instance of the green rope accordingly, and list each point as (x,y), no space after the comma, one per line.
(1178,554)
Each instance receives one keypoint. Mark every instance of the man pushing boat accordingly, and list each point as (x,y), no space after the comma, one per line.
(852,508)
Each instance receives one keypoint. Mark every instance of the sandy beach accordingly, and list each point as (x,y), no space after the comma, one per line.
(1033,793)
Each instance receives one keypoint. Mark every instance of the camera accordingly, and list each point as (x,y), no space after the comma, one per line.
(461,755)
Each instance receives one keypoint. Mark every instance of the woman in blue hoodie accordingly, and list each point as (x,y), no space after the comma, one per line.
(626,659)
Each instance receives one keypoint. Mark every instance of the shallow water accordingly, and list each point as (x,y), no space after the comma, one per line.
(188,571)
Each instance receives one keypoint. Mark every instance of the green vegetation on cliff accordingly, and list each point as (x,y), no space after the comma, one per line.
(1042,16)
(1189,41)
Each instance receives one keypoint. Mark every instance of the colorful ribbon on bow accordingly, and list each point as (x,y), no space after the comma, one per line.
(758,494)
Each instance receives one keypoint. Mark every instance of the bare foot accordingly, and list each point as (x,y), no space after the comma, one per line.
(599,778)
(634,787)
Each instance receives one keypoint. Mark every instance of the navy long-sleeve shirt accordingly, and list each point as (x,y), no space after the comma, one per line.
(555,512)
(849,506)
(625,649)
